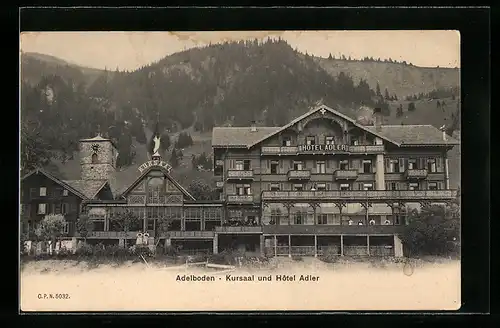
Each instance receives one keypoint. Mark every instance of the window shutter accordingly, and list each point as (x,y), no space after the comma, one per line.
(281,186)
(361,167)
(402,165)
(268,186)
(231,163)
(387,164)
(281,164)
(334,164)
(439,164)
(422,162)
(291,164)
(327,163)
(314,163)
(268,163)
(374,166)
(440,185)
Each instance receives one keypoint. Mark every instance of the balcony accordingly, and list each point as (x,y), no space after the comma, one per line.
(296,150)
(346,174)
(240,199)
(360,195)
(190,234)
(299,175)
(257,229)
(416,174)
(240,175)
(115,234)
(332,229)
(366,149)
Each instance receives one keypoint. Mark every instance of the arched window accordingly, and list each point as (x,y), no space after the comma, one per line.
(94,158)
(155,186)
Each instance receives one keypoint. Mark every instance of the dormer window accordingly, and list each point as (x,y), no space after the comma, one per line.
(94,158)
(287,141)
(311,140)
(330,140)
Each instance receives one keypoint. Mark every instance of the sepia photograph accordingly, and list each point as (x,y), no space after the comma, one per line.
(240,171)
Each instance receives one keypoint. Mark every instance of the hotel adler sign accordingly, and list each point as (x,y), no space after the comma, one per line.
(322,148)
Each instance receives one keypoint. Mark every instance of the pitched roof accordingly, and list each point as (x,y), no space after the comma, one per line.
(239,136)
(167,174)
(416,135)
(243,137)
(62,183)
(89,188)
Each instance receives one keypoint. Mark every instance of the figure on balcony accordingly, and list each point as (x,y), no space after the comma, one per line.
(360,223)
(350,222)
(387,222)
(372,222)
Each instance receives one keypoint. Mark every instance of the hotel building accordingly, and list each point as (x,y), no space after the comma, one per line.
(322,184)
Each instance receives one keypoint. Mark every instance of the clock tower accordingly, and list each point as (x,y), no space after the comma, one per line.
(97,158)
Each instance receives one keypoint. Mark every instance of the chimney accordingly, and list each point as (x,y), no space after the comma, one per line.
(253,127)
(377,113)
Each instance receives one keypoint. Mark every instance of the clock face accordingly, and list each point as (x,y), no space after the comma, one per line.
(95,148)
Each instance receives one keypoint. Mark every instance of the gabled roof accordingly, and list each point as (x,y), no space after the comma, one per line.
(326,108)
(90,188)
(167,174)
(400,135)
(58,181)
(239,137)
(416,135)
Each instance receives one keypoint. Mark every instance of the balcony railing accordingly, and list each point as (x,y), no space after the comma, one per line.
(346,174)
(355,250)
(240,198)
(328,250)
(361,195)
(257,229)
(240,174)
(299,175)
(115,234)
(332,229)
(416,174)
(381,251)
(190,234)
(294,150)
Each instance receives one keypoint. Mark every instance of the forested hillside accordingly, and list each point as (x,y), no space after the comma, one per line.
(222,84)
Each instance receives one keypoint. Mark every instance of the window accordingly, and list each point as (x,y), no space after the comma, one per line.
(392,186)
(330,140)
(94,158)
(298,218)
(345,186)
(431,165)
(275,215)
(155,186)
(65,192)
(322,219)
(246,165)
(412,164)
(287,141)
(367,166)
(354,141)
(64,208)
(57,192)
(239,165)
(42,208)
(413,186)
(297,165)
(43,191)
(432,186)
(367,186)
(298,187)
(243,190)
(274,167)
(275,187)
(65,228)
(33,193)
(311,140)
(393,166)
(320,167)
(344,165)
(321,186)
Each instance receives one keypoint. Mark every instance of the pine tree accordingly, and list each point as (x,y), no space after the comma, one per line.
(387,97)
(378,93)
(174,161)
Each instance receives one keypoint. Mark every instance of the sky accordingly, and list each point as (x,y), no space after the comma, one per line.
(131,50)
